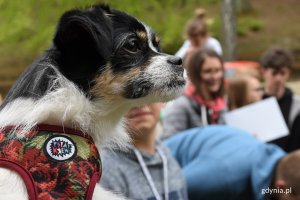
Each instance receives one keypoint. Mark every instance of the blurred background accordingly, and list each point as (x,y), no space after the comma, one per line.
(27,28)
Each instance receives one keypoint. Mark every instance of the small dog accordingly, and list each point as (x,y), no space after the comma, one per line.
(101,63)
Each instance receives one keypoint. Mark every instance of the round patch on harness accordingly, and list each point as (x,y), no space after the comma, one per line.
(60,148)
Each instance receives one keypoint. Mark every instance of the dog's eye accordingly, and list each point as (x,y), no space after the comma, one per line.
(131,46)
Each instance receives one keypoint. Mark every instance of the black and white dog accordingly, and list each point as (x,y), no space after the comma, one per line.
(101,63)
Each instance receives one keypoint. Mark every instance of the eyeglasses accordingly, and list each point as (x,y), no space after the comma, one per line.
(259,89)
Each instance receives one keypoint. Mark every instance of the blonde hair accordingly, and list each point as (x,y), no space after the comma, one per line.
(200,13)
(197,26)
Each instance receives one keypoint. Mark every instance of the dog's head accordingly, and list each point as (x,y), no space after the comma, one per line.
(111,55)
(102,62)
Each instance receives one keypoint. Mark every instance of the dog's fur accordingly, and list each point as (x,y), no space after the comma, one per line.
(101,63)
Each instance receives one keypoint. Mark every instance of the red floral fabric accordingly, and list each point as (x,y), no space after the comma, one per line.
(52,178)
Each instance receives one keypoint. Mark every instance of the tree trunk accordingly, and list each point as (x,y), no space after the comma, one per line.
(229,29)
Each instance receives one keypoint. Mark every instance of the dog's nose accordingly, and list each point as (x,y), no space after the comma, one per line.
(174,60)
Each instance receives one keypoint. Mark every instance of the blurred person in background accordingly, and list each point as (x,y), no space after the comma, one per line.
(286,180)
(222,162)
(243,89)
(197,36)
(276,68)
(146,170)
(203,100)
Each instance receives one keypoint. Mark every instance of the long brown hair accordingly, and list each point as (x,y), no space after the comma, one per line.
(237,92)
(194,64)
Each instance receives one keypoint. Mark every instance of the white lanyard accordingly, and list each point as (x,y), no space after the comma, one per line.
(204,116)
(149,177)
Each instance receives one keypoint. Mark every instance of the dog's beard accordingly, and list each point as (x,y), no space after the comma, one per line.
(160,81)
(158,91)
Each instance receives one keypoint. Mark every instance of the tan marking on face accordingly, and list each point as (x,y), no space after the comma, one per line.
(111,86)
(143,35)
(157,39)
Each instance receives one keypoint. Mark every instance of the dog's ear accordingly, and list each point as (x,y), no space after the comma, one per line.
(84,42)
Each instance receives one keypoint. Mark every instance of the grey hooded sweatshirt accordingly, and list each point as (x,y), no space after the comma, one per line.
(123,174)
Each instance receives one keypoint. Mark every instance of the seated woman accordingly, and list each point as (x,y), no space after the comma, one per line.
(197,36)
(203,100)
(146,170)
(243,89)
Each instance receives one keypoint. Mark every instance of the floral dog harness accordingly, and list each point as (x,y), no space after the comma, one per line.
(54,162)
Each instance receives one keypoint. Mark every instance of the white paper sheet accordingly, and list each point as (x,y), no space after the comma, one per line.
(263,119)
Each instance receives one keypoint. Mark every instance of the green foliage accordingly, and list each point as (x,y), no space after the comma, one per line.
(246,24)
(215,28)
(27,26)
